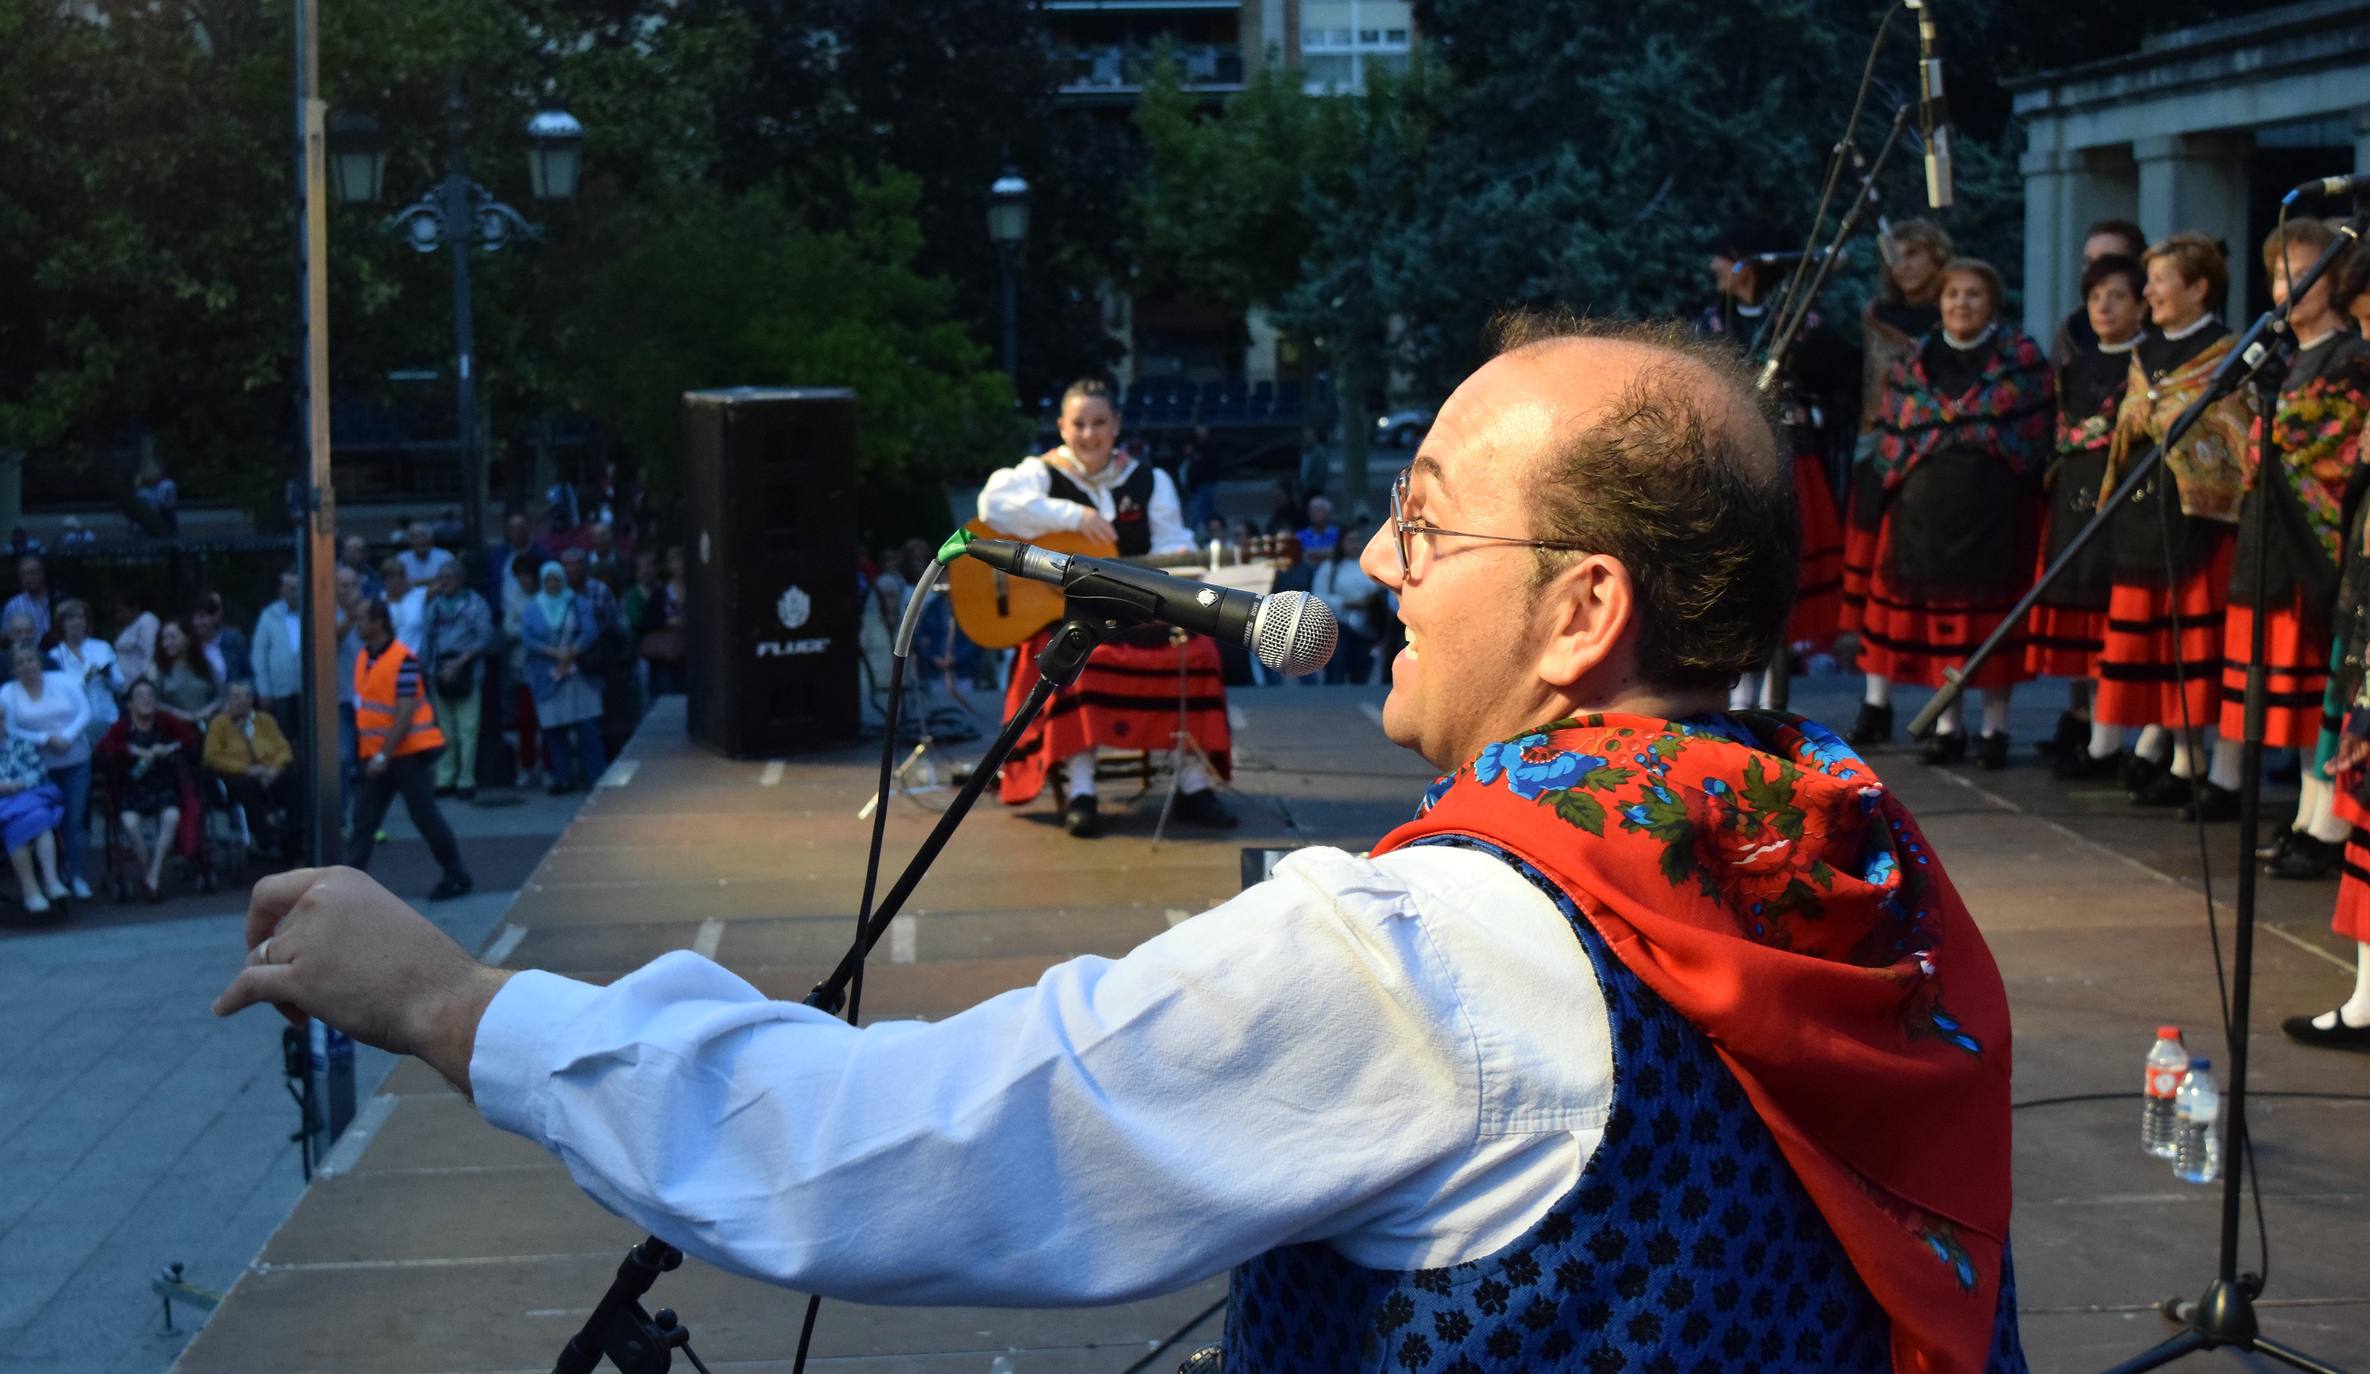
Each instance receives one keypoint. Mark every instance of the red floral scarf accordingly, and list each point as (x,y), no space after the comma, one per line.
(1756,874)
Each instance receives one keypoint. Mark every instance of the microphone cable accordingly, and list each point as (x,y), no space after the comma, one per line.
(899,650)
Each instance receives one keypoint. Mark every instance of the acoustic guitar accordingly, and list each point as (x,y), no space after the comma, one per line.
(999,611)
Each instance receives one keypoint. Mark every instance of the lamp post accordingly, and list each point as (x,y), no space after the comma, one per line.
(1008,229)
(457,214)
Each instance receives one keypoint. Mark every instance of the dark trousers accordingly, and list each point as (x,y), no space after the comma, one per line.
(259,801)
(414,776)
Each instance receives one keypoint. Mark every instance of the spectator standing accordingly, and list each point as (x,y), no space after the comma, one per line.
(148,748)
(1286,515)
(187,687)
(354,552)
(601,556)
(422,558)
(556,628)
(135,644)
(278,655)
(32,594)
(225,649)
(246,749)
(1352,596)
(30,808)
(157,492)
(518,545)
(49,711)
(609,663)
(1320,535)
(519,591)
(460,631)
(407,604)
(399,741)
(89,661)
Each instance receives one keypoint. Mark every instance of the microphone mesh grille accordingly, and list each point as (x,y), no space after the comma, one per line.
(1294,633)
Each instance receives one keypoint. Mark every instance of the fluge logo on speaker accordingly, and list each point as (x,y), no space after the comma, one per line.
(792,608)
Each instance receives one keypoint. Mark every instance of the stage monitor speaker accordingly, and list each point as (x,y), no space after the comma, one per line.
(772,664)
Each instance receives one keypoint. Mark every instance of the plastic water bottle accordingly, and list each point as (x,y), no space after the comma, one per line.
(2198,1158)
(2167,1063)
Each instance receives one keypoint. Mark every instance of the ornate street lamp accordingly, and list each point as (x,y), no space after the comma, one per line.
(1008,229)
(357,159)
(555,154)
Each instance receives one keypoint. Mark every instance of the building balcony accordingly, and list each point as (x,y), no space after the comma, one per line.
(1114,72)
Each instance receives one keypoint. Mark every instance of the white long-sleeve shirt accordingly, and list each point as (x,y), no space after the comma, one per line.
(1406,1057)
(63,709)
(1017,500)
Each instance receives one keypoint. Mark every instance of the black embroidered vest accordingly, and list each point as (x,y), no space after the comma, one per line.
(1131,505)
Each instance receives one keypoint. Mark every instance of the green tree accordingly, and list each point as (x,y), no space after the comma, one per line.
(733,288)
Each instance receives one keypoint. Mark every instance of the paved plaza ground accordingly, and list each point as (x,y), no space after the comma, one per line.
(153,1133)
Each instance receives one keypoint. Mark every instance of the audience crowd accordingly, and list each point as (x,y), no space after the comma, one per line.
(535,658)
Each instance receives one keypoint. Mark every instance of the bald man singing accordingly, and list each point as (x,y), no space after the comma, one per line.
(1657,1038)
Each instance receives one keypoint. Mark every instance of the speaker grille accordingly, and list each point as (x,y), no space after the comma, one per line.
(1294,633)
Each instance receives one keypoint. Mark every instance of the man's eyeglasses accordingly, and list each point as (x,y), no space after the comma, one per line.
(1402,527)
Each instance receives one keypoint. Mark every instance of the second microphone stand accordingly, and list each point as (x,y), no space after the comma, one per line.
(2225,1314)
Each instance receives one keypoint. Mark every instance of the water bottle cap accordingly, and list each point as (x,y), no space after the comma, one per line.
(2200,1062)
(2168,1032)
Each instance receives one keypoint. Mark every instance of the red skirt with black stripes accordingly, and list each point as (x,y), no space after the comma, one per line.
(2296,659)
(2151,632)
(1818,595)
(1125,699)
(1911,640)
(2352,917)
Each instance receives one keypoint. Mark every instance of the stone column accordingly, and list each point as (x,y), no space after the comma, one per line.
(2050,246)
(2199,181)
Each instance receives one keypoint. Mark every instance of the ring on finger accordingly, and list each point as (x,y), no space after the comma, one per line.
(263,952)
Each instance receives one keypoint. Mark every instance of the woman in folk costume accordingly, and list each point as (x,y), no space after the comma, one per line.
(1952,491)
(2069,624)
(1127,696)
(2316,436)
(2160,667)
(2343,758)
(1906,309)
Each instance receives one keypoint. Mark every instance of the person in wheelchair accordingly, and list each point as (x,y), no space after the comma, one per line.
(245,749)
(150,785)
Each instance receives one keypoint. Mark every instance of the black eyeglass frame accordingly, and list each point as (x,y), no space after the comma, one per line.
(1401,527)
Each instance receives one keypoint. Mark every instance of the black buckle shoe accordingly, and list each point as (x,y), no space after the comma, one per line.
(2162,790)
(1948,746)
(1991,751)
(2337,1037)
(2084,766)
(1204,809)
(1873,726)
(2071,737)
(2270,853)
(2304,860)
(2139,775)
(1082,817)
(2211,803)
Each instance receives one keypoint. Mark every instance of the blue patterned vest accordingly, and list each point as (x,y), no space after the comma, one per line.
(1687,1244)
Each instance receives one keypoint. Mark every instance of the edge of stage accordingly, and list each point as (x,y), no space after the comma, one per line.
(434,1242)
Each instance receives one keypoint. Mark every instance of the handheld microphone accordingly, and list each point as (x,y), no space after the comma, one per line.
(1933,108)
(1291,632)
(2331,187)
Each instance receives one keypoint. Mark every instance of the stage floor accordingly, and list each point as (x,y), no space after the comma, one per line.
(440,1244)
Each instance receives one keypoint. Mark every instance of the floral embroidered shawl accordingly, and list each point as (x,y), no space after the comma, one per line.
(2010,411)
(2318,432)
(1755,873)
(2209,463)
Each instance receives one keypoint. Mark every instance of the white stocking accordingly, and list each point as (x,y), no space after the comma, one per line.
(1880,691)
(2356,1010)
(2224,771)
(1078,769)
(1995,712)
(2106,741)
(2154,741)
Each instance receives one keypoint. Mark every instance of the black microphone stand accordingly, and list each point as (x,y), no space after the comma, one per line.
(634,1340)
(2225,1315)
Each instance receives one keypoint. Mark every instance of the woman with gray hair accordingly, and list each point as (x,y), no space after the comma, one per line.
(30,808)
(49,711)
